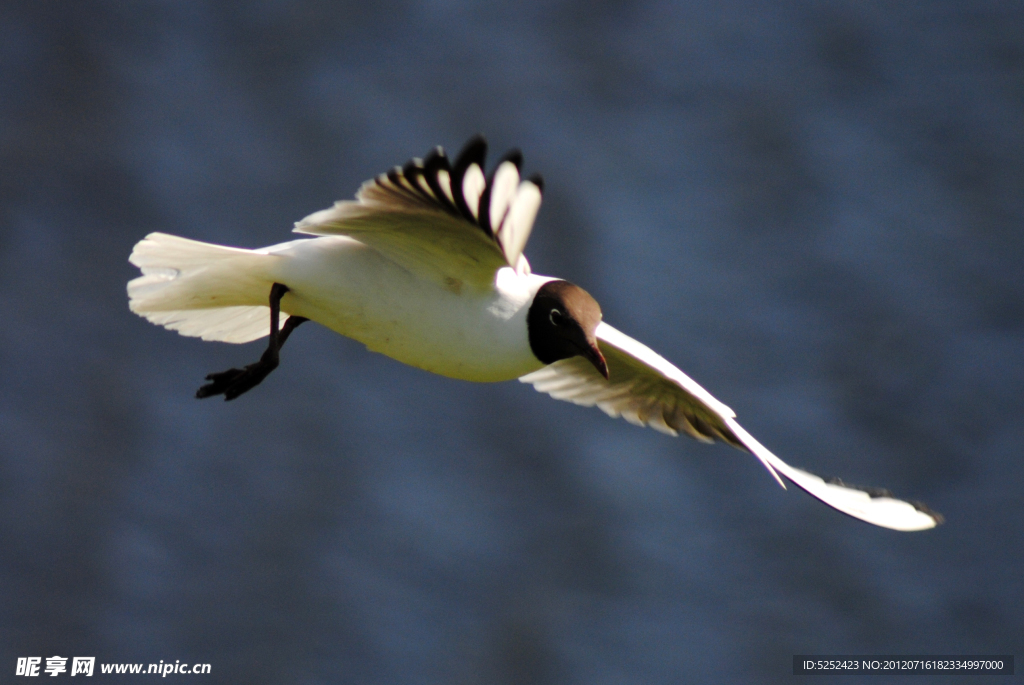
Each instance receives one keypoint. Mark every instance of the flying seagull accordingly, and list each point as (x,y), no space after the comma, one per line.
(426,265)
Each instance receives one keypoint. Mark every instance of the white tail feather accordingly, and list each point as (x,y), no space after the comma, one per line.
(202,290)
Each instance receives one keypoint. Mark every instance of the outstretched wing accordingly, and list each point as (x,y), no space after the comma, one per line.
(645,389)
(449,223)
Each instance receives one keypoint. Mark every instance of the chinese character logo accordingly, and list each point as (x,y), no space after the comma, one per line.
(28,665)
(82,665)
(55,665)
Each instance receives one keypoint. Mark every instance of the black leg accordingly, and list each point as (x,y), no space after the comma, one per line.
(234,382)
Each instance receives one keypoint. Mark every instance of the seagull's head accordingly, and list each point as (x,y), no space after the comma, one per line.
(562,323)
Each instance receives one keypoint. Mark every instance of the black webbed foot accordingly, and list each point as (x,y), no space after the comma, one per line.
(235,382)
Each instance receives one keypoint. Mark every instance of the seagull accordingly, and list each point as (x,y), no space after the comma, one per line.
(426,266)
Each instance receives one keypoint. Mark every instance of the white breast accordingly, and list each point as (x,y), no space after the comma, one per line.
(442,327)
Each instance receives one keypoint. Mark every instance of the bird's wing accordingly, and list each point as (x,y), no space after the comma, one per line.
(451,224)
(645,389)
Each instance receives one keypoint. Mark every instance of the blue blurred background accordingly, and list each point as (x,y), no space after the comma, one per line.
(814,208)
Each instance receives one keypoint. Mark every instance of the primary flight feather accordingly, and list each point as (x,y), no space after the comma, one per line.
(426,265)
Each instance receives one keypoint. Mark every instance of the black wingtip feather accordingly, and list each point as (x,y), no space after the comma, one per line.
(474,151)
(514,155)
(437,159)
(928,511)
(413,168)
(418,181)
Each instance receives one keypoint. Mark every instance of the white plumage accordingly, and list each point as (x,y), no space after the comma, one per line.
(647,390)
(200,290)
(426,266)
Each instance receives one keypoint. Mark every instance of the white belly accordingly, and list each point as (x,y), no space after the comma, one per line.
(439,327)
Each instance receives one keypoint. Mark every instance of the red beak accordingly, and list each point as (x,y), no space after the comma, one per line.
(593,354)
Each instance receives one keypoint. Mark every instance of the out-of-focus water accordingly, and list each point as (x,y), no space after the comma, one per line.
(815,209)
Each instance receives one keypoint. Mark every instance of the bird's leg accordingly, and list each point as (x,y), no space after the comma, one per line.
(234,382)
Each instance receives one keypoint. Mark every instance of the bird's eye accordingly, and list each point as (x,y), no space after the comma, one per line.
(556,317)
